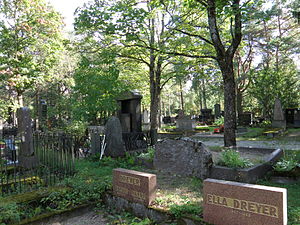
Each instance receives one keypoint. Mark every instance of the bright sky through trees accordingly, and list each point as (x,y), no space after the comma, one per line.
(67,9)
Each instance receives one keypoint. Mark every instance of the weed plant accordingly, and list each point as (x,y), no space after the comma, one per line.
(288,163)
(231,158)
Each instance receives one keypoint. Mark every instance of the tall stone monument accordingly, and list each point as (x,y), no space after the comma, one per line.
(115,146)
(278,116)
(26,157)
(130,111)
(217,111)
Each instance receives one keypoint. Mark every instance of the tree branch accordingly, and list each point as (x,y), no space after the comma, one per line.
(194,35)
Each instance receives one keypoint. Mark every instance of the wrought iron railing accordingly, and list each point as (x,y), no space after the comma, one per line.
(136,140)
(53,160)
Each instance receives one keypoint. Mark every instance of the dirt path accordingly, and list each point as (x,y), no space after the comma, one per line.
(85,216)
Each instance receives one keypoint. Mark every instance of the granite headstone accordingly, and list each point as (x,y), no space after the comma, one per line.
(134,186)
(278,116)
(233,203)
(26,157)
(115,146)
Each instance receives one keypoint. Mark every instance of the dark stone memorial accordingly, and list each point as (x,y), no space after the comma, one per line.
(130,112)
(95,132)
(115,146)
(292,117)
(206,116)
(26,157)
(278,116)
(245,119)
(217,111)
(297,118)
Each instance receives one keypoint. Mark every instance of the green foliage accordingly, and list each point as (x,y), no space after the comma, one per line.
(269,83)
(293,199)
(253,132)
(149,155)
(9,212)
(30,41)
(186,209)
(232,159)
(287,163)
(96,87)
(77,128)
(219,121)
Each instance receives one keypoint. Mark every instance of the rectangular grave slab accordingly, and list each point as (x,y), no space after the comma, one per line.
(233,203)
(134,186)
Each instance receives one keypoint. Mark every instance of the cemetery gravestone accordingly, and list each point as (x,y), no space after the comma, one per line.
(206,116)
(297,118)
(130,111)
(278,118)
(185,124)
(26,153)
(95,132)
(146,117)
(232,203)
(134,185)
(114,142)
(245,119)
(217,111)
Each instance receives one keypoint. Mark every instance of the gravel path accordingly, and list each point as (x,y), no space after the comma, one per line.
(285,145)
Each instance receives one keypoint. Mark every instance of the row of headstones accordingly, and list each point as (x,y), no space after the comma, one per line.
(224,202)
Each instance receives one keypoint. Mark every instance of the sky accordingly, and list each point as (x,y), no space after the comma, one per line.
(67,9)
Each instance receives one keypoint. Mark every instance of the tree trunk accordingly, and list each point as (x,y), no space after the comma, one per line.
(200,99)
(225,61)
(229,103)
(181,96)
(204,94)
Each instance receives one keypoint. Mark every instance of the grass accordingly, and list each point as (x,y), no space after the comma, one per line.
(293,191)
(253,134)
(179,195)
(91,180)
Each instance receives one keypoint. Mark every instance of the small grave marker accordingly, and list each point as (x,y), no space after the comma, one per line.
(232,203)
(134,185)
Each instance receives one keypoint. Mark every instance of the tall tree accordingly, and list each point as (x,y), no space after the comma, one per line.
(138,29)
(30,37)
(222,33)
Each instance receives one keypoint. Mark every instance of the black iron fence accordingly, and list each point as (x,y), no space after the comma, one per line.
(136,140)
(53,160)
